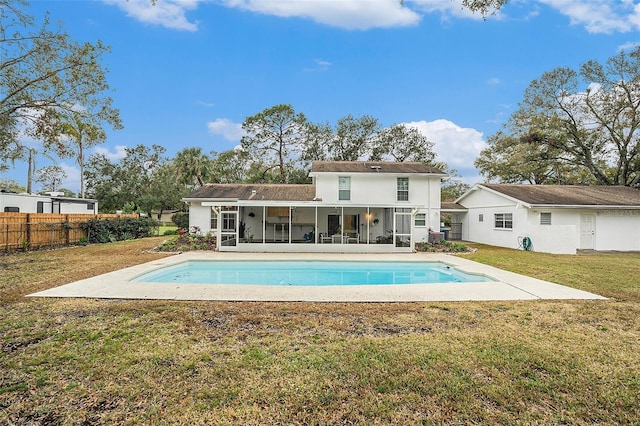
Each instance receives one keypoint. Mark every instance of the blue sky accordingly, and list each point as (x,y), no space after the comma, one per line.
(187,73)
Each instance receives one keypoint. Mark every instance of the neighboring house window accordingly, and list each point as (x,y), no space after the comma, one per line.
(480,217)
(40,207)
(403,189)
(421,219)
(12,209)
(90,206)
(545,218)
(504,220)
(344,188)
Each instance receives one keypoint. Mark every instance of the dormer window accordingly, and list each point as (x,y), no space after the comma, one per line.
(344,188)
(403,189)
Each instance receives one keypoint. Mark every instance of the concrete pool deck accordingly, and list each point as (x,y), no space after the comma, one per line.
(509,286)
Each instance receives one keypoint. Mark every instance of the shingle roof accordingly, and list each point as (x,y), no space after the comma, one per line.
(567,195)
(242,191)
(372,167)
(447,205)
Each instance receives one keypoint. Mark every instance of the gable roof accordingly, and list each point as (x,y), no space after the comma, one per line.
(250,191)
(373,167)
(569,195)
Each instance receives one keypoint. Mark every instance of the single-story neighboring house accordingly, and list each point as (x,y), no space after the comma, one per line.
(164,216)
(551,218)
(52,202)
(349,207)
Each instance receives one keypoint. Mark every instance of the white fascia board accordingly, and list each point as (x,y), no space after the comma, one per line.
(454,210)
(217,202)
(257,203)
(406,174)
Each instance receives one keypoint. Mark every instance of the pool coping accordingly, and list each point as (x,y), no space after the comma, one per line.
(509,285)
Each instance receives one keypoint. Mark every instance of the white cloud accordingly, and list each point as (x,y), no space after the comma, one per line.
(119,153)
(167,13)
(228,129)
(630,45)
(597,16)
(457,146)
(600,16)
(348,14)
(323,65)
(494,81)
(450,8)
(205,104)
(320,65)
(72,181)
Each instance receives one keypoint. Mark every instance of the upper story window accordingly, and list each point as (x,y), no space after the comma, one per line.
(344,188)
(504,220)
(403,189)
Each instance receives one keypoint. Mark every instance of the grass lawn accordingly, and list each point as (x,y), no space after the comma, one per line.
(68,361)
(164,228)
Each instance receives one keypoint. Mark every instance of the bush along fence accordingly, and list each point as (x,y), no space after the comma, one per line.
(35,230)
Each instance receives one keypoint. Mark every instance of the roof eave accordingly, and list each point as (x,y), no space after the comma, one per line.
(209,199)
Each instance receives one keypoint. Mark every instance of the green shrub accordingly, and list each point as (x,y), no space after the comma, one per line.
(181,219)
(126,228)
(443,246)
(185,241)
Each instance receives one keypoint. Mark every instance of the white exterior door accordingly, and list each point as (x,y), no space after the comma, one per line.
(587,231)
(402,228)
(228,229)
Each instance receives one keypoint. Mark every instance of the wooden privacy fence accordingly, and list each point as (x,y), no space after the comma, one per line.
(24,230)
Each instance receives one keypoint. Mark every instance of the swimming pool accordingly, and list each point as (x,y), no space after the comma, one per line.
(308,273)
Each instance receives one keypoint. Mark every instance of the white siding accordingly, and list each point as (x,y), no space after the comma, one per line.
(614,229)
(378,188)
(484,204)
(381,189)
(28,203)
(561,237)
(200,216)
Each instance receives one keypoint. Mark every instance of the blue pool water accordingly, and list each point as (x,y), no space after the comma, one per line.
(308,273)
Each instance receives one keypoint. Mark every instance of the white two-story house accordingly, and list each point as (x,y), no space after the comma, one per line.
(349,207)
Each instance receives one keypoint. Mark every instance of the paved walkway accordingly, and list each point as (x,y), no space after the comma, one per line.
(509,286)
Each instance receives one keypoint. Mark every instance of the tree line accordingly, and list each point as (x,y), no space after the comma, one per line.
(279,146)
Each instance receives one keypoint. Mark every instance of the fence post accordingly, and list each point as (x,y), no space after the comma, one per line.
(28,230)
(66,226)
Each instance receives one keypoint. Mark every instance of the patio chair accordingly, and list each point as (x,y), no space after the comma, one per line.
(308,238)
(324,238)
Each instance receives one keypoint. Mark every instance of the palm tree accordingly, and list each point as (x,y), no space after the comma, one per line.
(193,166)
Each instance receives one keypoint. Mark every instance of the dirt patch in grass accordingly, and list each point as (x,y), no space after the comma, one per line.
(83,361)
